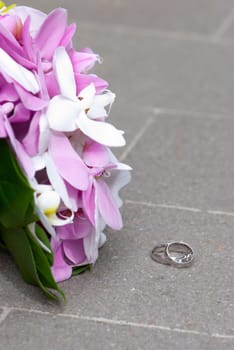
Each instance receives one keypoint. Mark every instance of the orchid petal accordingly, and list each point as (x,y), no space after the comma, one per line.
(68,34)
(31,140)
(107,206)
(8,92)
(60,269)
(18,73)
(88,198)
(115,182)
(56,180)
(45,222)
(74,251)
(37,17)
(3,132)
(56,221)
(21,114)
(27,42)
(73,194)
(82,80)
(62,114)
(83,61)
(122,166)
(101,132)
(86,96)
(44,134)
(64,73)
(91,247)
(30,101)
(102,240)
(68,163)
(38,163)
(22,156)
(51,32)
(95,155)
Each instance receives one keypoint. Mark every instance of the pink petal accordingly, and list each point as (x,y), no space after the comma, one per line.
(69,164)
(27,40)
(67,37)
(22,156)
(21,114)
(82,225)
(73,194)
(60,269)
(30,101)
(107,206)
(52,84)
(3,132)
(83,80)
(9,43)
(88,199)
(7,92)
(51,32)
(31,140)
(95,155)
(74,251)
(82,61)
(37,17)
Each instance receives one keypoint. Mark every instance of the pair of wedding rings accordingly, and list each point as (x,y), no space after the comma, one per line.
(178,254)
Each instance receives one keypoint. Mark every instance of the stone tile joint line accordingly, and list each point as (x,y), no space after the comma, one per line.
(136,139)
(4,314)
(119,323)
(179,207)
(223,28)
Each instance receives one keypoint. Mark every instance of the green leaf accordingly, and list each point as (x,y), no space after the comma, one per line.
(16,212)
(80,269)
(14,203)
(43,265)
(16,196)
(44,239)
(31,260)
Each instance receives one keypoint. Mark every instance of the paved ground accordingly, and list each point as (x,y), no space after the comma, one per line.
(172,66)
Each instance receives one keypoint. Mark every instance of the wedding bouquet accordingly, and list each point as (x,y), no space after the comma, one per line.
(59,180)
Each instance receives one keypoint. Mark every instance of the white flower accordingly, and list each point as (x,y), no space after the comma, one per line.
(68,112)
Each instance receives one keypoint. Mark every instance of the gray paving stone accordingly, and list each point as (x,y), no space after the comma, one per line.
(35,331)
(229,33)
(185,161)
(127,285)
(152,71)
(202,16)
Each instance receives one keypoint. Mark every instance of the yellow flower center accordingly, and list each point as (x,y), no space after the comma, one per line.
(4,9)
(50,211)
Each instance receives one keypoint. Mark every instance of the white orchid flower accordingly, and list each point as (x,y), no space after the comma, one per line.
(68,112)
(48,203)
(45,161)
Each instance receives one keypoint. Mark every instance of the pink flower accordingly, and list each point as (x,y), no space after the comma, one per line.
(69,247)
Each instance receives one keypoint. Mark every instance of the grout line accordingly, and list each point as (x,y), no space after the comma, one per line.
(179,207)
(217,212)
(161,34)
(173,111)
(4,314)
(225,25)
(163,206)
(125,323)
(137,138)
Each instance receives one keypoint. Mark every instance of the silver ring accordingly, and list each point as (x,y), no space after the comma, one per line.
(178,254)
(158,254)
